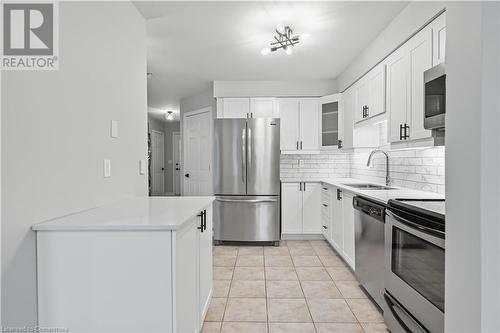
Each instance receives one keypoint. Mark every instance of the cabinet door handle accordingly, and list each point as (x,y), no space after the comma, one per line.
(367,110)
(407,129)
(304,187)
(251,114)
(400,131)
(339,194)
(300,145)
(204,219)
(325,227)
(339,144)
(297,145)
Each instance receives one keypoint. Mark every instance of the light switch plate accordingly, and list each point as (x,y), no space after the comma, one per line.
(142,167)
(107,168)
(114,128)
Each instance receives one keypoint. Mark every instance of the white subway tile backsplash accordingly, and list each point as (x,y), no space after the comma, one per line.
(420,169)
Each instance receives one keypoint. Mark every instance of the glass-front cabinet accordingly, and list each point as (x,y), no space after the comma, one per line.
(330,122)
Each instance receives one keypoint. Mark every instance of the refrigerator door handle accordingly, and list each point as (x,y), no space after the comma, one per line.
(249,153)
(243,155)
(247,201)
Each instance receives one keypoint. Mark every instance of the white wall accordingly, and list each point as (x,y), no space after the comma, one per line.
(274,88)
(198,101)
(409,21)
(56,133)
(472,164)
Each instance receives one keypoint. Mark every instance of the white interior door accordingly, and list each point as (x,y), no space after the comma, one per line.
(157,163)
(197,137)
(176,157)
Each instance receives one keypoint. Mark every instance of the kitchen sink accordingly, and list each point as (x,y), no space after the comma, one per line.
(371,187)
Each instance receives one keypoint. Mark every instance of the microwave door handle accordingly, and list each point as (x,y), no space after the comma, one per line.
(424,229)
(392,305)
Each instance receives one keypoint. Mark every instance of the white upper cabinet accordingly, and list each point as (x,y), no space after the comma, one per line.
(330,121)
(420,52)
(362,99)
(309,124)
(398,81)
(346,107)
(438,39)
(361,135)
(405,87)
(263,108)
(235,107)
(299,129)
(376,87)
(370,94)
(245,107)
(289,110)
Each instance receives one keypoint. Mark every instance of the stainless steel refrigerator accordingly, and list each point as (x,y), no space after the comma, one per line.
(247,180)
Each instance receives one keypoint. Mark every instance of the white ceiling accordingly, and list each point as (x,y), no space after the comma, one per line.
(191,44)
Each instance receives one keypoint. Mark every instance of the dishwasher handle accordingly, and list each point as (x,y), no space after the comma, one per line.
(375,210)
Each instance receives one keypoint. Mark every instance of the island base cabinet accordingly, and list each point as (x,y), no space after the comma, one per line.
(126,280)
(105,281)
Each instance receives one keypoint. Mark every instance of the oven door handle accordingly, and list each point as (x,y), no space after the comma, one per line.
(392,303)
(424,229)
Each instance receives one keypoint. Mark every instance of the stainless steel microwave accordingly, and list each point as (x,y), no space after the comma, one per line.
(435,97)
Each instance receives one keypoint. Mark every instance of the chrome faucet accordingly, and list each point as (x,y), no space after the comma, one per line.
(369,164)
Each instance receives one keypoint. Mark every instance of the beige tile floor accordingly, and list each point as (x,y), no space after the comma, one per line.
(300,286)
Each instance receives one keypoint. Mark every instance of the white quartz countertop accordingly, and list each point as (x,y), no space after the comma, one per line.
(382,196)
(153,213)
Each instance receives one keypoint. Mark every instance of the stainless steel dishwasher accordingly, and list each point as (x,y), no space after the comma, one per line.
(369,220)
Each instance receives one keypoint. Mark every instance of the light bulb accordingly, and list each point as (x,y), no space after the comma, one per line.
(265,51)
(288,50)
(280,28)
(170,116)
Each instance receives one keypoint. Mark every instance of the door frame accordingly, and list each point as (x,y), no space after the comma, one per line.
(173,161)
(152,162)
(183,143)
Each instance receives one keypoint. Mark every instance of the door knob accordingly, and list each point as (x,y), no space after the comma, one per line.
(162,169)
(186,175)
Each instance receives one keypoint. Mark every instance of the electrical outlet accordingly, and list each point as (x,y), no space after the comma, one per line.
(107,168)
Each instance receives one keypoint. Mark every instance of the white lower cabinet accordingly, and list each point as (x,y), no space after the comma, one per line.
(348,230)
(341,222)
(125,280)
(300,208)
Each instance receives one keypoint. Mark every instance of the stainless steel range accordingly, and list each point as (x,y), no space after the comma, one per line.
(414,263)
(247,180)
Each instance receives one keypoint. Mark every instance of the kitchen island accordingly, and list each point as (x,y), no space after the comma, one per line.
(139,265)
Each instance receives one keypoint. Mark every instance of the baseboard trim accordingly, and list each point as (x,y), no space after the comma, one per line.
(302,237)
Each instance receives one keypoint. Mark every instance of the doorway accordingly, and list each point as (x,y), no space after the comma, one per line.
(176,157)
(197,141)
(157,163)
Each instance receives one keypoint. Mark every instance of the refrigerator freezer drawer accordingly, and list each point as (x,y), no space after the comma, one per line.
(247,218)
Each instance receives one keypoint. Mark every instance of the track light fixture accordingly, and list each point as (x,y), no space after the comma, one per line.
(285,39)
